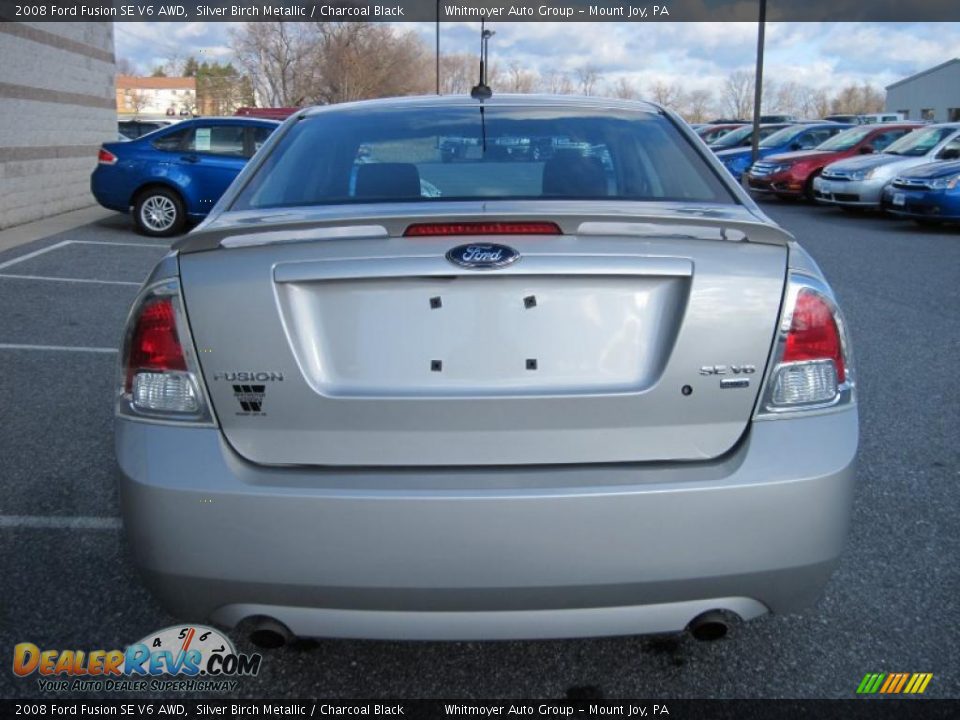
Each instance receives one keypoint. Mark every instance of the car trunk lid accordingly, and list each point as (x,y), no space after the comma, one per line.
(614,342)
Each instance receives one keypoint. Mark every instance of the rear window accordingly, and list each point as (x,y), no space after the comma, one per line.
(437,154)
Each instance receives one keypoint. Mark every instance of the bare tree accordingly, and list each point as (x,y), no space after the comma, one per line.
(519,80)
(173,65)
(698,106)
(587,78)
(788,97)
(813,102)
(668,95)
(125,66)
(136,100)
(858,99)
(359,60)
(738,94)
(625,90)
(556,83)
(278,58)
(458,73)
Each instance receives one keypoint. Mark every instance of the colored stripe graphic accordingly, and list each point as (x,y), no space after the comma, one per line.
(903,681)
(918,683)
(894,683)
(870,683)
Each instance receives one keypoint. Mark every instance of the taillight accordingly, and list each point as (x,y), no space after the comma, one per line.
(811,367)
(155,345)
(105,157)
(814,334)
(483,228)
(159,374)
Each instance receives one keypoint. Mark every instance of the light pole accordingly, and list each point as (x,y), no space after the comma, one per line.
(758,84)
(438,46)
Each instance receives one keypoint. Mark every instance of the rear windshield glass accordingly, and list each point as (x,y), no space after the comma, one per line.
(437,154)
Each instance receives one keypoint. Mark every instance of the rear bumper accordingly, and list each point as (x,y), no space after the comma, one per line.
(107,191)
(488,553)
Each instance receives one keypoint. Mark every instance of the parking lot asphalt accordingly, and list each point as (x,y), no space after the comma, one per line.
(66,580)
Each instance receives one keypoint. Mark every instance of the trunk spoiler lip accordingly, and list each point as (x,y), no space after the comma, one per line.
(587,218)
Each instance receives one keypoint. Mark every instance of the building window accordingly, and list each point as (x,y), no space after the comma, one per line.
(927,114)
(905,114)
(953,114)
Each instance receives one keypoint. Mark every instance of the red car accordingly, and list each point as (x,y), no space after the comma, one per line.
(790,175)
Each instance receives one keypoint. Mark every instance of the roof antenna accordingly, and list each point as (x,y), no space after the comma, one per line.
(482,91)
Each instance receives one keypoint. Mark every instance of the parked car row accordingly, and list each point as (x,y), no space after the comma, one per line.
(787,139)
(792,174)
(909,169)
(175,173)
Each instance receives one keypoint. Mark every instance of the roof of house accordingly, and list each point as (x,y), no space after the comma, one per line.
(920,74)
(133,82)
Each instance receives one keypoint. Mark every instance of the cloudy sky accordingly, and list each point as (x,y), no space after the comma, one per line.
(696,55)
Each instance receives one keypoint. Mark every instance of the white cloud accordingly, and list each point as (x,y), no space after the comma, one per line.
(694,55)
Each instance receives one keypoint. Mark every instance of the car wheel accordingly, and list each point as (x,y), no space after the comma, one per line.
(159,212)
(927,222)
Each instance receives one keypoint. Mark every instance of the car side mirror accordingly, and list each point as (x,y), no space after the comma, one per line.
(867,150)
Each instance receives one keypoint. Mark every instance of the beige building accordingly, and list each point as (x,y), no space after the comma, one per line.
(57,105)
(156,95)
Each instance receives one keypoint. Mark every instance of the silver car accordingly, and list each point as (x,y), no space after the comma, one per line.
(858,182)
(550,398)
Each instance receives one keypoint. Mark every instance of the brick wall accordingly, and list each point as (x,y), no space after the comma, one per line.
(57,104)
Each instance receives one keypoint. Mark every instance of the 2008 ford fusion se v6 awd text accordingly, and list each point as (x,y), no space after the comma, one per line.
(566,381)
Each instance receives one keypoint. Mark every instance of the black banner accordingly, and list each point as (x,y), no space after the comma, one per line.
(468,10)
(859,709)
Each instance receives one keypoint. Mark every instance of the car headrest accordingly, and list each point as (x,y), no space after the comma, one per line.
(388,181)
(573,175)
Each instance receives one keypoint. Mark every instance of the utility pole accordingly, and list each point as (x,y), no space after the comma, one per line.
(758,83)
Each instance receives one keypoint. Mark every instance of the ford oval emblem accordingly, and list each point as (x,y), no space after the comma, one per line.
(482,256)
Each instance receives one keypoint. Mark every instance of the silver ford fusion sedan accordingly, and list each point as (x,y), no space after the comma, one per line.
(583,389)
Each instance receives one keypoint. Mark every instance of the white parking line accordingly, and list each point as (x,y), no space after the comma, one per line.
(34,254)
(60,522)
(58,348)
(9,276)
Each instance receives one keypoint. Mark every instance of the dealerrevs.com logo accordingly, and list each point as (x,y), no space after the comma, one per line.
(177,658)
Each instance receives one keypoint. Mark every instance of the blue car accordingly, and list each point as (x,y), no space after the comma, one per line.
(177,173)
(929,193)
(791,138)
